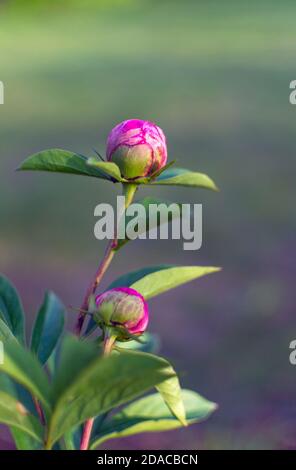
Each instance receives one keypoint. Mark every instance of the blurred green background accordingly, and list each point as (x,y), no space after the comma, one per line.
(215,76)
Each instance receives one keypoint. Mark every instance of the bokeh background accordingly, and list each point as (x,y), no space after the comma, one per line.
(215,76)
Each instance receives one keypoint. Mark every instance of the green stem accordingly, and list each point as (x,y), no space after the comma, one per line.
(109,341)
(129,191)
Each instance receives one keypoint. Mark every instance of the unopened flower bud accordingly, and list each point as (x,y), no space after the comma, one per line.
(122,307)
(137,147)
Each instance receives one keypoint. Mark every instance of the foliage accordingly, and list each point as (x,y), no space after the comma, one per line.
(50,387)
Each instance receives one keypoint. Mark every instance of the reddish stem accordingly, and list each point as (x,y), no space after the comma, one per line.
(86,434)
(93,286)
(129,192)
(39,411)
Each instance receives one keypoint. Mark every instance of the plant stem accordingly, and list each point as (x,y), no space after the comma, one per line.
(88,425)
(129,192)
(109,253)
(109,341)
(39,410)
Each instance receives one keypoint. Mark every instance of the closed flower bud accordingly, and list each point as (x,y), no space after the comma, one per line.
(122,307)
(137,147)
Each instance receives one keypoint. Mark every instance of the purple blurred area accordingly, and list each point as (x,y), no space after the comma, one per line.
(215,76)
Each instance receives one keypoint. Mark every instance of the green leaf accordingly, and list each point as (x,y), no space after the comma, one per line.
(72,438)
(74,358)
(48,327)
(149,343)
(12,388)
(158,282)
(13,413)
(154,280)
(61,161)
(147,179)
(110,168)
(162,170)
(24,441)
(174,211)
(23,367)
(170,391)
(150,414)
(131,278)
(102,385)
(5,332)
(183,177)
(11,310)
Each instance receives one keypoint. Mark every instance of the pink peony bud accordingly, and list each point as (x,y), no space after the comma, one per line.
(122,306)
(137,147)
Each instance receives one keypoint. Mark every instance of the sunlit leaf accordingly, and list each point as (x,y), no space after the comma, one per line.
(163,280)
(131,278)
(61,161)
(183,177)
(109,168)
(170,391)
(150,414)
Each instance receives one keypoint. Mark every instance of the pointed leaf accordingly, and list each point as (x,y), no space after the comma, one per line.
(154,280)
(170,391)
(150,414)
(158,282)
(162,170)
(48,327)
(131,278)
(183,177)
(61,161)
(109,168)
(11,310)
(13,413)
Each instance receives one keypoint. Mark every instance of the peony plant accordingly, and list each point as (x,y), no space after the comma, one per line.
(76,391)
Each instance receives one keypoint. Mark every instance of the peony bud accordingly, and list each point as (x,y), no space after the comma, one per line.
(122,307)
(137,147)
